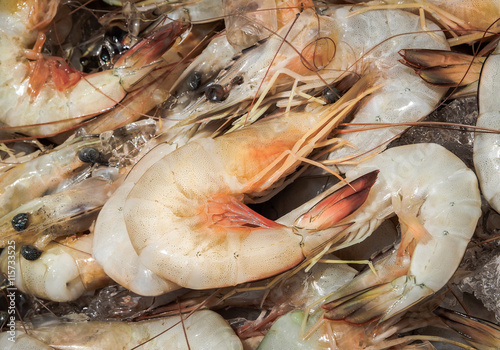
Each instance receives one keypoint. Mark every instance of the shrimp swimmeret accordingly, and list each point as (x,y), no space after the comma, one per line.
(185,215)
(436,198)
(39,89)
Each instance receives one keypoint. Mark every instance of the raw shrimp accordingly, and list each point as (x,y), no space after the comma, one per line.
(43,174)
(296,330)
(185,215)
(201,330)
(461,16)
(487,145)
(62,273)
(70,211)
(437,201)
(333,46)
(155,87)
(112,246)
(46,94)
(248,22)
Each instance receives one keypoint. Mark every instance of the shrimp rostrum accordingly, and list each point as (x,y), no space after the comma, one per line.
(186,217)
(42,95)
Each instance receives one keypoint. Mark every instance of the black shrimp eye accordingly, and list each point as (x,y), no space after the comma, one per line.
(331,94)
(116,34)
(89,155)
(89,63)
(104,55)
(20,221)
(216,93)
(194,81)
(30,252)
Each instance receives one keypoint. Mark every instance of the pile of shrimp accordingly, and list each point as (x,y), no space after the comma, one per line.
(264,174)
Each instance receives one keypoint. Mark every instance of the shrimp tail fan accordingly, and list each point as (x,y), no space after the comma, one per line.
(441,67)
(338,205)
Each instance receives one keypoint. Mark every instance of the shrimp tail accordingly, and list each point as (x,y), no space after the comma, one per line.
(143,57)
(441,67)
(338,205)
(481,334)
(380,301)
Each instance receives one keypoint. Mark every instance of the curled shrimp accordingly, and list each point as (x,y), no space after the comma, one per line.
(487,145)
(64,272)
(201,330)
(214,239)
(43,95)
(437,201)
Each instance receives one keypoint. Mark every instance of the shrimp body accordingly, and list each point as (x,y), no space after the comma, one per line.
(112,247)
(362,48)
(332,46)
(437,201)
(204,330)
(487,145)
(185,215)
(458,14)
(41,175)
(63,213)
(64,271)
(46,91)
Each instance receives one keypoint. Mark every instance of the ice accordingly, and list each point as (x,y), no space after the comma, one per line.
(458,140)
(484,283)
(125,143)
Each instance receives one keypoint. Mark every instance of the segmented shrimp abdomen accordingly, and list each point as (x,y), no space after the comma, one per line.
(427,182)
(371,42)
(487,145)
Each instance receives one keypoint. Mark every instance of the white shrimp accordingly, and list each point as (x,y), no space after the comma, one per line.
(403,97)
(49,93)
(487,145)
(43,174)
(469,19)
(201,330)
(437,201)
(112,246)
(333,46)
(185,215)
(40,220)
(64,272)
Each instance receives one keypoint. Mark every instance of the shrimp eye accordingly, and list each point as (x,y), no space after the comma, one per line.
(20,221)
(104,55)
(216,93)
(89,63)
(194,81)
(89,155)
(331,94)
(30,252)
(116,34)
